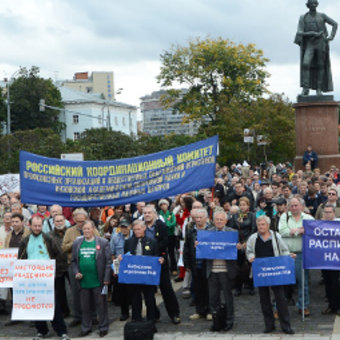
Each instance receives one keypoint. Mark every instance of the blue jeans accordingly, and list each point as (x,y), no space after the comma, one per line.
(298,273)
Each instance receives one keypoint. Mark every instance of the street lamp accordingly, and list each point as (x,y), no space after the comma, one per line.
(9,82)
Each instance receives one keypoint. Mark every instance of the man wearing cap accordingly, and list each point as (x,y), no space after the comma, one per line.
(117,244)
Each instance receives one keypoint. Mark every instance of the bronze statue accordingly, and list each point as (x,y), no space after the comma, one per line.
(313,39)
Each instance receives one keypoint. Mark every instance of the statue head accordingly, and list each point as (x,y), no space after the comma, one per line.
(312,4)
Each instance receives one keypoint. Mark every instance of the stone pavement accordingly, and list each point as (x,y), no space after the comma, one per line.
(248,321)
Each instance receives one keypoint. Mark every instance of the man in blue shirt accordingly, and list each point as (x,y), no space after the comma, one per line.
(40,246)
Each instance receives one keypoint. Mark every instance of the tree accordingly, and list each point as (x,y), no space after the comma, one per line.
(102,144)
(216,72)
(45,142)
(25,94)
(271,117)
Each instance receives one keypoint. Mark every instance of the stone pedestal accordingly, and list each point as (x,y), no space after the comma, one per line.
(317,124)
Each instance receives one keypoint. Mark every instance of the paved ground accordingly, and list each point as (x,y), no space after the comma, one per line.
(248,321)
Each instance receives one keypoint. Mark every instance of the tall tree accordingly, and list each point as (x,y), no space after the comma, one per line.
(26,91)
(216,72)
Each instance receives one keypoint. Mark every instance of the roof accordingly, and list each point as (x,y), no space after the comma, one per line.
(71,96)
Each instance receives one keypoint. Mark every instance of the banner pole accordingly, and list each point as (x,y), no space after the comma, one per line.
(303,292)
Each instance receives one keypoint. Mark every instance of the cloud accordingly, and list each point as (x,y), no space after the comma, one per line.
(128,37)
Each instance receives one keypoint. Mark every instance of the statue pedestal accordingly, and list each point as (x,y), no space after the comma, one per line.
(317,124)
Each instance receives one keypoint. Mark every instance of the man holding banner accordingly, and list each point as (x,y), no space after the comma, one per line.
(157,230)
(40,246)
(139,244)
(265,244)
(218,272)
(197,267)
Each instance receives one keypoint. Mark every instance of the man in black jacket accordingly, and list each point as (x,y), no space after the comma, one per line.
(197,267)
(140,244)
(157,230)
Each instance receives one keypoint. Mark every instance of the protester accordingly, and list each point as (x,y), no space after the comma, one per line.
(244,223)
(140,244)
(331,277)
(170,221)
(48,225)
(333,200)
(157,230)
(197,267)
(268,243)
(40,246)
(120,291)
(291,229)
(219,278)
(91,261)
(80,217)
(57,235)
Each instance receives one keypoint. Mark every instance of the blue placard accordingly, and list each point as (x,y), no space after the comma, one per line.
(104,183)
(144,270)
(274,271)
(321,245)
(216,245)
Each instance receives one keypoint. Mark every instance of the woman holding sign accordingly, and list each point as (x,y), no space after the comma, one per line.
(266,243)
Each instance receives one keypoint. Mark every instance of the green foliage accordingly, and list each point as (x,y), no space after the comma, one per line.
(216,72)
(45,142)
(102,144)
(273,118)
(25,94)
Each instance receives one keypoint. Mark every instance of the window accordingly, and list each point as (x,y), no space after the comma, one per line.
(76,135)
(89,89)
(116,121)
(123,121)
(75,119)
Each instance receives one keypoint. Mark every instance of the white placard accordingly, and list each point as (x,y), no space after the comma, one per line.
(7,259)
(33,290)
(180,262)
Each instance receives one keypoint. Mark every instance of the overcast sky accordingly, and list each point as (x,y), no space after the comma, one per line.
(127,37)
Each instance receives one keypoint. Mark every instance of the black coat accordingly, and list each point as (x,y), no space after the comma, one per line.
(161,237)
(245,228)
(149,246)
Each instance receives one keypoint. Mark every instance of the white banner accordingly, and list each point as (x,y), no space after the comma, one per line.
(7,259)
(180,262)
(9,183)
(33,290)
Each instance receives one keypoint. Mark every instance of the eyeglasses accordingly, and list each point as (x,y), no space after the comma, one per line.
(332,194)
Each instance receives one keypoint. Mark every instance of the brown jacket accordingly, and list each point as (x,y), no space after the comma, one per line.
(70,236)
(9,236)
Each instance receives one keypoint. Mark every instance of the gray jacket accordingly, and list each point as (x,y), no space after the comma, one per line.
(230,263)
(280,248)
(103,258)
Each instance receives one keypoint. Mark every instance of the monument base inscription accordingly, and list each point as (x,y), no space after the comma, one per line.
(317,125)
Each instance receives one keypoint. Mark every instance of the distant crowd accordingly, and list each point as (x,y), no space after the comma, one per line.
(264,204)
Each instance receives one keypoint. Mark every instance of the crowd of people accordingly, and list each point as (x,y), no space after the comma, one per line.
(265,205)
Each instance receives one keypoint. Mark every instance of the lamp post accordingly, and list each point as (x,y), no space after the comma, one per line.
(9,82)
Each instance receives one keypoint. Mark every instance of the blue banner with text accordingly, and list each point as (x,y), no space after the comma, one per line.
(274,271)
(321,245)
(49,181)
(216,245)
(144,270)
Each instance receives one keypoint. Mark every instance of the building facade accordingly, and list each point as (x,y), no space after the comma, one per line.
(158,121)
(100,83)
(85,111)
